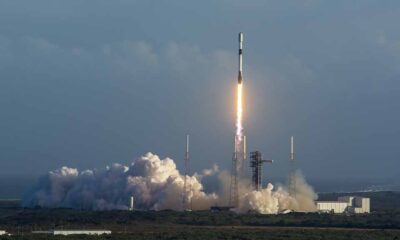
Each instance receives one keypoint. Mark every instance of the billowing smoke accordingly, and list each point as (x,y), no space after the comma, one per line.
(270,200)
(156,184)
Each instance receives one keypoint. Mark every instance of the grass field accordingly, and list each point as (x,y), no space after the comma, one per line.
(383,223)
(232,232)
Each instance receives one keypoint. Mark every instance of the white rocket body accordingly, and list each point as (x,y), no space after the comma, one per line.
(240,140)
(240,77)
(291,148)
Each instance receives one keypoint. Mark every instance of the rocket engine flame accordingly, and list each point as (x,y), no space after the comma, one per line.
(239,112)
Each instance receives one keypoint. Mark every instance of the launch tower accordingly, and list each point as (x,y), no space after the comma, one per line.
(185,202)
(292,170)
(256,163)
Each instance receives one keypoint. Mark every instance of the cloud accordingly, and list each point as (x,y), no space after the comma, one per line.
(212,171)
(131,57)
(39,44)
(121,58)
(191,60)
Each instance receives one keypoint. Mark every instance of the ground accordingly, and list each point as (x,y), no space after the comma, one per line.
(382,223)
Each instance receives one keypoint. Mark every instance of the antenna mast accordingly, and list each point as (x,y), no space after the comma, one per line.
(185,192)
(292,170)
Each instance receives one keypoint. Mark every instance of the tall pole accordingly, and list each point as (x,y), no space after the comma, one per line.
(185,190)
(234,191)
(292,170)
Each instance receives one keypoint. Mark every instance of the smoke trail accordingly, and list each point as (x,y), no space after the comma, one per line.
(156,184)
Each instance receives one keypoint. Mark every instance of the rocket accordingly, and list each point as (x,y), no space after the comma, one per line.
(240,77)
(291,148)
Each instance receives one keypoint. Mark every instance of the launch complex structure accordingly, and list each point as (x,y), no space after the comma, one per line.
(239,155)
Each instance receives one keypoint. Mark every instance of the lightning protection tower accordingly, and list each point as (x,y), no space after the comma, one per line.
(292,170)
(185,203)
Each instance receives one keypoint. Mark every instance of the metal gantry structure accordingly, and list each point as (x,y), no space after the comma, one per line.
(256,163)
(292,170)
(234,190)
(237,171)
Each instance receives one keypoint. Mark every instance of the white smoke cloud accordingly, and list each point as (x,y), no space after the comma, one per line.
(156,184)
(212,171)
(270,201)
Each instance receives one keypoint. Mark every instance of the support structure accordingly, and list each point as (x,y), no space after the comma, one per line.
(292,170)
(185,201)
(237,172)
(234,191)
(256,163)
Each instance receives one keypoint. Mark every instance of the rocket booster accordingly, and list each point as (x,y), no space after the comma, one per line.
(240,77)
(291,148)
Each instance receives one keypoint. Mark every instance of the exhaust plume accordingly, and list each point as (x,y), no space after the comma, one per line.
(156,184)
(270,201)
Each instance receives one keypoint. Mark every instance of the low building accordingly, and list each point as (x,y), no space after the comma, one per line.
(331,206)
(361,205)
(74,232)
(85,232)
(345,204)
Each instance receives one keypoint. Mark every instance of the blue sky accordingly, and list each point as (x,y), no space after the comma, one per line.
(89,83)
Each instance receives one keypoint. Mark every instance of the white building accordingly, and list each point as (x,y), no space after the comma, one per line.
(85,232)
(361,205)
(331,206)
(2,232)
(349,204)
(74,232)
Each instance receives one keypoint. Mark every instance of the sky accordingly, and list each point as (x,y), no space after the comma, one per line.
(89,83)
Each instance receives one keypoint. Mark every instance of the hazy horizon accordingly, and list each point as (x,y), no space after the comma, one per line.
(17,186)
